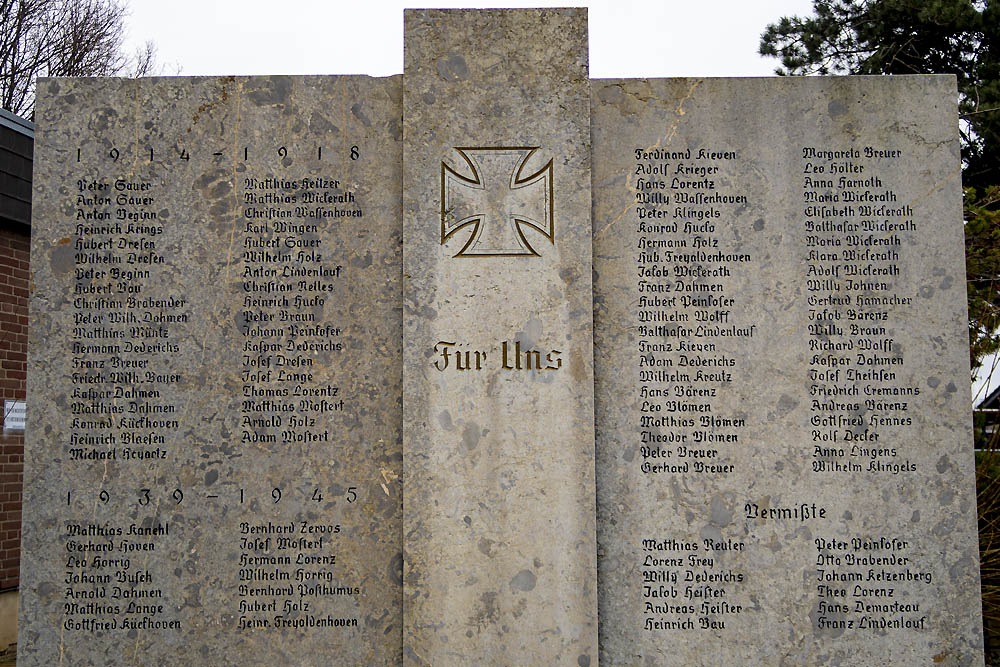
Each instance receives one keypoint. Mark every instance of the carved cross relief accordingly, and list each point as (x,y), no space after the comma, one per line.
(497,203)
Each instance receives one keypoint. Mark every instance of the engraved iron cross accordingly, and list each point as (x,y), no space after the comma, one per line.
(497,200)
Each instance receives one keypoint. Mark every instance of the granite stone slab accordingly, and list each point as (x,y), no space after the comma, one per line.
(251,440)
(497,373)
(212,470)
(784,464)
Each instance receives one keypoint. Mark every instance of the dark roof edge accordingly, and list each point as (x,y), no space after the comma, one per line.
(21,227)
(16,123)
(992,398)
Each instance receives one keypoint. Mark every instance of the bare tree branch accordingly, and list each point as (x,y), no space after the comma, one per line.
(63,38)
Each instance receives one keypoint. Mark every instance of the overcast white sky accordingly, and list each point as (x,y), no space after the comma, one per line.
(628,38)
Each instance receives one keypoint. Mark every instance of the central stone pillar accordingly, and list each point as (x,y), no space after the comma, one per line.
(499,527)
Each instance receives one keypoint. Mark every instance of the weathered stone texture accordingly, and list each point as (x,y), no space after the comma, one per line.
(499,508)
(228,163)
(791,275)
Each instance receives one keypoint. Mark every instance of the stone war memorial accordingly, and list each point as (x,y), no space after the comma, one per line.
(492,363)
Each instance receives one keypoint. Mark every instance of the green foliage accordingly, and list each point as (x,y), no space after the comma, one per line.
(982,266)
(988,500)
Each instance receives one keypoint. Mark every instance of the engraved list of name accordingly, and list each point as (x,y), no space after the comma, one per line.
(690,332)
(859,238)
(216,373)
(120,407)
(779,442)
(688,314)
(288,576)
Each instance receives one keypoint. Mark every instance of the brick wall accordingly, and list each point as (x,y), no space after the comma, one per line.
(14,244)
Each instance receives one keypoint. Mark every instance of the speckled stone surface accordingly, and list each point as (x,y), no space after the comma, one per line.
(241,549)
(499,507)
(785,469)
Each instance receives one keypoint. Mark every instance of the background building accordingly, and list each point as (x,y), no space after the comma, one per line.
(16,143)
